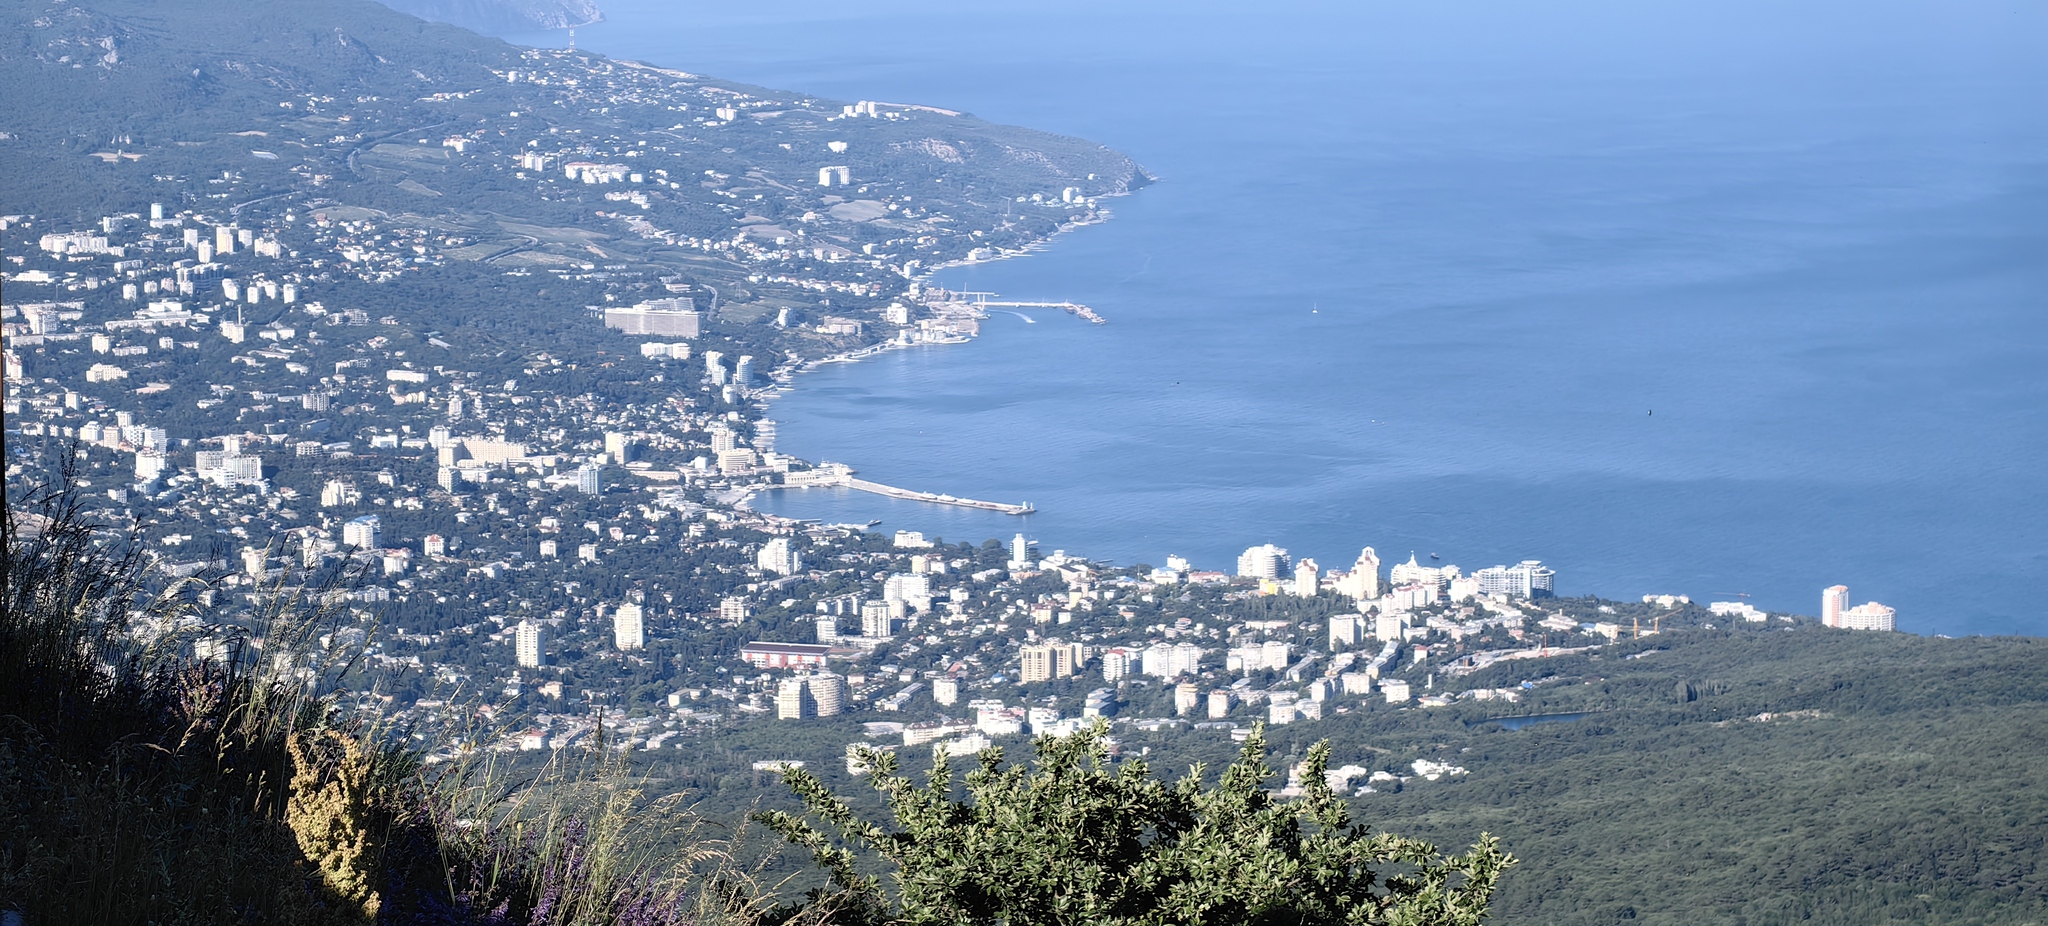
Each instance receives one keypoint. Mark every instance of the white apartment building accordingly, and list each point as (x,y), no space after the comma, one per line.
(877,619)
(1264,561)
(528,644)
(1833,601)
(819,695)
(1163,661)
(779,556)
(1307,578)
(1526,579)
(1870,616)
(1043,662)
(1346,630)
(364,533)
(629,627)
(1362,583)
(908,587)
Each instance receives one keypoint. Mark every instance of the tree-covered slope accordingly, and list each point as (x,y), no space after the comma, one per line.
(106,103)
(1814,776)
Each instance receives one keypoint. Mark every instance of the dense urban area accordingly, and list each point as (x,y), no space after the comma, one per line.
(279,389)
(478,365)
(526,554)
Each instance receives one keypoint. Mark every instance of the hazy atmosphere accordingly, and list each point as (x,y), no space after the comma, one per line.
(591,463)
(1701,299)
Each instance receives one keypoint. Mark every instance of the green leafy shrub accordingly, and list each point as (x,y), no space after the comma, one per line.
(1078,840)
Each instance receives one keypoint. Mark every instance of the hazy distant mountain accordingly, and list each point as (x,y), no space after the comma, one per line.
(503,15)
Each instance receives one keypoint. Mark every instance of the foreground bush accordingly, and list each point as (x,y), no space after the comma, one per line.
(1077,841)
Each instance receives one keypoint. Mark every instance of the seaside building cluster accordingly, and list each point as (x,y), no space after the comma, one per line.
(570,553)
(1836,612)
(533,514)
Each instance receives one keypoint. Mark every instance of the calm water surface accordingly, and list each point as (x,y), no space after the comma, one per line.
(1717,298)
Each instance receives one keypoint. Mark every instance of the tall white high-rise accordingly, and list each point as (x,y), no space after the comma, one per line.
(1833,601)
(876,621)
(827,692)
(618,447)
(337,493)
(1020,550)
(1307,578)
(1536,577)
(364,533)
(1363,581)
(150,464)
(1049,660)
(1264,561)
(1165,661)
(1835,612)
(907,587)
(590,478)
(1528,579)
(789,699)
(528,644)
(819,695)
(1036,663)
(1345,629)
(629,627)
(778,556)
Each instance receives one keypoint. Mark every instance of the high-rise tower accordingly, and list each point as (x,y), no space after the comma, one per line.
(1833,601)
(629,627)
(528,645)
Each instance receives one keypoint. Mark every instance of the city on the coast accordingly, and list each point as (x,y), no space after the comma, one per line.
(399,527)
(554,556)
(538,532)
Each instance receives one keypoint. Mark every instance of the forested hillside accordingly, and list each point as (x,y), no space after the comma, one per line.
(1742,776)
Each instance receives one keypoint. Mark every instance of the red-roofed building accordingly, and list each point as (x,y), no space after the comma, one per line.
(763,655)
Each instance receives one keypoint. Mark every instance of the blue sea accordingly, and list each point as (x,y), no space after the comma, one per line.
(1702,298)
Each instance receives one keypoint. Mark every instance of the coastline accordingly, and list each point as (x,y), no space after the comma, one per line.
(963,320)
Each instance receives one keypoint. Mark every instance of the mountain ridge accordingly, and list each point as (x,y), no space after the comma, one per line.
(495,16)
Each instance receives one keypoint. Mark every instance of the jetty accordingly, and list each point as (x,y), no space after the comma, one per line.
(984,300)
(936,499)
(837,474)
(1071,308)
